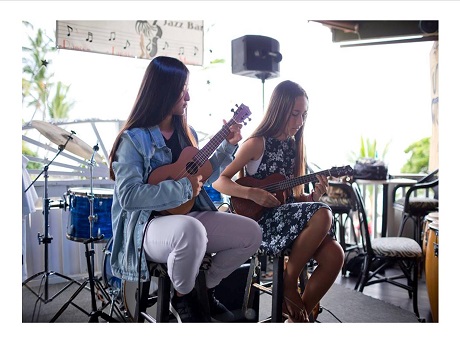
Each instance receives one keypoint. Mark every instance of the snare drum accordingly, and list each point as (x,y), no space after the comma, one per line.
(79,206)
(430,217)
(431,268)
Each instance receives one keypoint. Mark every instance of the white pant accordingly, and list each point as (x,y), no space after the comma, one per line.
(181,241)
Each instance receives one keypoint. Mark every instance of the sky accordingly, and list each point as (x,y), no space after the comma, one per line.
(343,104)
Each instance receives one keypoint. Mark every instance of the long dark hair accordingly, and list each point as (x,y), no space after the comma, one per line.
(161,87)
(276,117)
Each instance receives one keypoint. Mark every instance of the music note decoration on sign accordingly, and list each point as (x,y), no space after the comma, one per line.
(134,38)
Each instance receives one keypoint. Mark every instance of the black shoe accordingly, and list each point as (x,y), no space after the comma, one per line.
(187,308)
(218,311)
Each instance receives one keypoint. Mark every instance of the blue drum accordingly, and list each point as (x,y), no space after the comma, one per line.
(79,205)
(214,195)
(220,201)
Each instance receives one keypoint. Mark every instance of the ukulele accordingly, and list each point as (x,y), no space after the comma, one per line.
(277,184)
(192,161)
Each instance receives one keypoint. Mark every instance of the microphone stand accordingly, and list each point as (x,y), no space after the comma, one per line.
(46,239)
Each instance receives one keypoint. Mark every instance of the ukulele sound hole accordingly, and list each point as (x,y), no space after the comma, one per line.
(192,168)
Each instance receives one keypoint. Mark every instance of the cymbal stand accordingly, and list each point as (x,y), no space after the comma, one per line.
(92,218)
(93,283)
(46,239)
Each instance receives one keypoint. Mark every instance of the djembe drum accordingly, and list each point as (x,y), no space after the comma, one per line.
(431,268)
(429,218)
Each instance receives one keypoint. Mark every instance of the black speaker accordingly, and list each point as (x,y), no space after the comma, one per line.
(256,56)
(428,26)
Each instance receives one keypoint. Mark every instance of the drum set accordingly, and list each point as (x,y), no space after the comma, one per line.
(89,223)
(120,293)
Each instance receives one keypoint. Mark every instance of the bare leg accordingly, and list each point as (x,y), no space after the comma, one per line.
(303,249)
(329,257)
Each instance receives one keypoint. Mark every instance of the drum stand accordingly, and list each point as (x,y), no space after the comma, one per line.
(46,239)
(95,312)
(89,253)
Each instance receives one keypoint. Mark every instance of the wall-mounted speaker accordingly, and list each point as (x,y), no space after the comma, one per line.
(256,56)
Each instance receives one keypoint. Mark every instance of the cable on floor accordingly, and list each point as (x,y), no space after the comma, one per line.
(321,308)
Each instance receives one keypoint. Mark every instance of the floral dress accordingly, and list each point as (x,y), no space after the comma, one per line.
(281,225)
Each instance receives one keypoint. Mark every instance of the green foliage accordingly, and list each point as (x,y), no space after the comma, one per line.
(28,152)
(368,149)
(217,61)
(419,157)
(37,82)
(37,79)
(59,107)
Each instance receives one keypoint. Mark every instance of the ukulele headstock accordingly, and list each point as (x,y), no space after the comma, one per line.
(341,171)
(241,114)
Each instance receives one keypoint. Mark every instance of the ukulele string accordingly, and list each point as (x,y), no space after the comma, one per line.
(202,156)
(289,183)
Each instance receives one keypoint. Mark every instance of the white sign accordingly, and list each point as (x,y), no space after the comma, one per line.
(145,39)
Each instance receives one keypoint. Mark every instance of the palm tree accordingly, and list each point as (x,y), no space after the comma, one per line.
(37,82)
(59,106)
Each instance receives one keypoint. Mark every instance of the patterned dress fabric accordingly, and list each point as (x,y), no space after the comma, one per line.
(281,225)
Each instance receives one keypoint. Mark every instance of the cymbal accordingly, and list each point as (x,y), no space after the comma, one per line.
(59,136)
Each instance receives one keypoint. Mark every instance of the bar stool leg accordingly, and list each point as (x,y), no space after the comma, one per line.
(277,289)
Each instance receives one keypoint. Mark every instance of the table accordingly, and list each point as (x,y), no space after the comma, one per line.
(387,203)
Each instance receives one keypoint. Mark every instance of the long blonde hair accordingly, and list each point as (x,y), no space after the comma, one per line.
(275,119)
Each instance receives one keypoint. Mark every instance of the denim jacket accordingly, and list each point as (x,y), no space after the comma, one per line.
(141,150)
